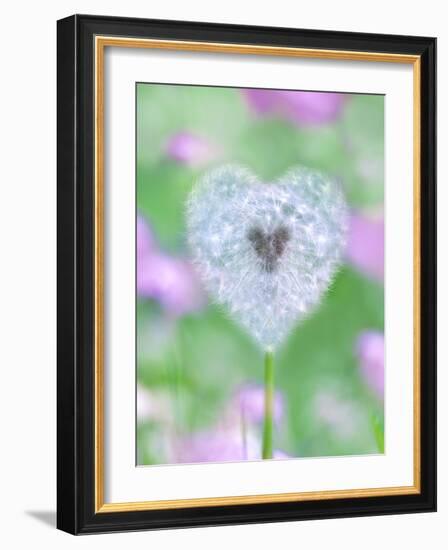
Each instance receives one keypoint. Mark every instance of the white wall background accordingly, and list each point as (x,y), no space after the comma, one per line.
(28,273)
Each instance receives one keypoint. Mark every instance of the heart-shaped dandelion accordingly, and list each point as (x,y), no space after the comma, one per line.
(267,251)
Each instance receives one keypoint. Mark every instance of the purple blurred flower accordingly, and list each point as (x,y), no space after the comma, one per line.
(222,445)
(171,281)
(280,455)
(370,351)
(262,101)
(302,108)
(249,402)
(145,241)
(236,436)
(212,447)
(365,247)
(190,149)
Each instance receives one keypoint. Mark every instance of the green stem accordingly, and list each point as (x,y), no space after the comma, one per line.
(268,404)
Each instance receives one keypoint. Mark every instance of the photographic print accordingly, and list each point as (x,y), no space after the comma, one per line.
(259,274)
(246,274)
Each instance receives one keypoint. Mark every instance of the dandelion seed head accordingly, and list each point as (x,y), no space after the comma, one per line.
(267,251)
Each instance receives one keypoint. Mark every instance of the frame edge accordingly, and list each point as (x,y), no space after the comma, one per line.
(66,517)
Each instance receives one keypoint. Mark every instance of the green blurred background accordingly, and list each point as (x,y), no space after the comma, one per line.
(190,365)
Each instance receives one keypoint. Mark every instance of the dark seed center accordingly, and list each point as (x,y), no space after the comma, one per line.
(269,247)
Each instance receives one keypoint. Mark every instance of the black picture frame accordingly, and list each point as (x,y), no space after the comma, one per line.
(75,264)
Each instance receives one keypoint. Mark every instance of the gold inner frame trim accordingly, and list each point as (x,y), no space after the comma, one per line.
(101,42)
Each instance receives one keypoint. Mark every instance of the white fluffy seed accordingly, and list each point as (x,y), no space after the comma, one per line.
(267,251)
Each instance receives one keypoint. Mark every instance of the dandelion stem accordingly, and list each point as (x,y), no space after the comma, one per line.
(268,404)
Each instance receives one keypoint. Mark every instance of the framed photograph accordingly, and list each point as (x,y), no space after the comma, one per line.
(246,274)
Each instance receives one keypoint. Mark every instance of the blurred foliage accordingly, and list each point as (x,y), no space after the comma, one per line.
(198,360)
